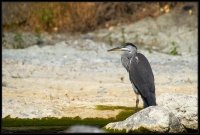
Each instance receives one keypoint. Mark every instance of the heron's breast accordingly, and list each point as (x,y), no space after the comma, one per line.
(134,59)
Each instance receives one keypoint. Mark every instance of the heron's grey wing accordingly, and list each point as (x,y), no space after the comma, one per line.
(141,76)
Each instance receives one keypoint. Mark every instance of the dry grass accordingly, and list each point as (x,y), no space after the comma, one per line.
(64,16)
(76,16)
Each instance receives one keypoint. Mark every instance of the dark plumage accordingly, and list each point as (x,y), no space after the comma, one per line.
(140,73)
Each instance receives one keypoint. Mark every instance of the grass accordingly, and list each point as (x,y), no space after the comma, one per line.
(19,41)
(173,50)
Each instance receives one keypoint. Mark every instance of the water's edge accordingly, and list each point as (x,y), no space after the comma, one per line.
(56,125)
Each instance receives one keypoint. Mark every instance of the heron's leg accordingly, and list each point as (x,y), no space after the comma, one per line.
(137,101)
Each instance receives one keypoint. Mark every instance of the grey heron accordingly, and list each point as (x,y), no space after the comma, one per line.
(140,73)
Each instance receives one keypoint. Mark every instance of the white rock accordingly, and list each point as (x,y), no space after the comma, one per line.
(182,106)
(152,119)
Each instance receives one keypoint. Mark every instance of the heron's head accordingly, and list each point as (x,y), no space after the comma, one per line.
(128,47)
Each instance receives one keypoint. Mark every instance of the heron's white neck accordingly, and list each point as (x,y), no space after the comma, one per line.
(130,54)
(126,57)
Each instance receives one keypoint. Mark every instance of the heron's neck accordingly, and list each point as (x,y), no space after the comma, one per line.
(130,54)
(126,57)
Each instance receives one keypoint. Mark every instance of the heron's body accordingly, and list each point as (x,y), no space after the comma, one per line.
(140,67)
(140,74)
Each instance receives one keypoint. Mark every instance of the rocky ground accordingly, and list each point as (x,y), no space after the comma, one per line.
(73,75)
(174,113)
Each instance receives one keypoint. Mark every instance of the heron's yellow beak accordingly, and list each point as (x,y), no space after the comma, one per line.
(120,48)
(114,49)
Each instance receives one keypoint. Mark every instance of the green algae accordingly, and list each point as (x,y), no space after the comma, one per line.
(106,107)
(53,121)
(125,113)
(48,124)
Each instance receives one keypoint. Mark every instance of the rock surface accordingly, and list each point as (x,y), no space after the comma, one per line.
(83,129)
(151,119)
(184,107)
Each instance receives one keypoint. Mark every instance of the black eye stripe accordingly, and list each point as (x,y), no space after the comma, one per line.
(126,44)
